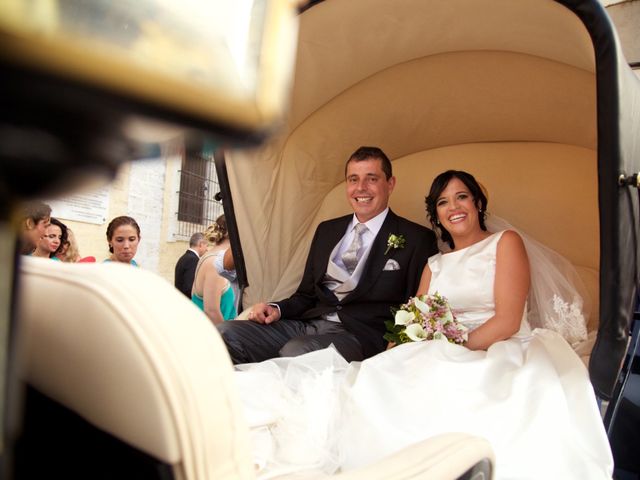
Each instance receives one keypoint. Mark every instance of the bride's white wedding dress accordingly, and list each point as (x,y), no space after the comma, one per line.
(530,396)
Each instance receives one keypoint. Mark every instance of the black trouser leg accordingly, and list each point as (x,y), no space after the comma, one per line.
(249,342)
(321,334)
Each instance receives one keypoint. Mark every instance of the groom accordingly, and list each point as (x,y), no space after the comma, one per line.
(358,267)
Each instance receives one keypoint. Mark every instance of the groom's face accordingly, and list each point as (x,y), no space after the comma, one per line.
(368,189)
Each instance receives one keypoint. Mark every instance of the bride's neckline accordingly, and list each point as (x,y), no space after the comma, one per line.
(472,245)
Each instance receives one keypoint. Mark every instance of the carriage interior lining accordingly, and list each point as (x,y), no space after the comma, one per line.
(512,103)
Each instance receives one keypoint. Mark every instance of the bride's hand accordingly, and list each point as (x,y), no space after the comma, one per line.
(391,345)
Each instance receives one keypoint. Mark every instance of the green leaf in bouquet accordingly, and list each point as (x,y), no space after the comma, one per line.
(403,337)
(391,337)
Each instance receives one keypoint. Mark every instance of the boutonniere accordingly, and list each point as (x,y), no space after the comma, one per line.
(394,241)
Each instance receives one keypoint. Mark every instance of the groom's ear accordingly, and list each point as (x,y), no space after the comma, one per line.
(392,183)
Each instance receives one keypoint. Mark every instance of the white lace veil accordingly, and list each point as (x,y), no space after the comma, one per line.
(556,294)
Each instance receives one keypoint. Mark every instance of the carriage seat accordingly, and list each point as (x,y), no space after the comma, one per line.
(128,354)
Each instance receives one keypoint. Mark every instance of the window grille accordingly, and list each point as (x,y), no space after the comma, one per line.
(197,206)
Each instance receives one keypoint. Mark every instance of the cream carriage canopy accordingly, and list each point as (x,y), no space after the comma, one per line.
(532,97)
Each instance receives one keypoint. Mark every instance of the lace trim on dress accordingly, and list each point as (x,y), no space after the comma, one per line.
(568,320)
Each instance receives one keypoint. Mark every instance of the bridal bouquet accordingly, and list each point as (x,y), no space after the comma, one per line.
(426,317)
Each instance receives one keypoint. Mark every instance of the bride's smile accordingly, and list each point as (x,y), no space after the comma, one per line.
(456,218)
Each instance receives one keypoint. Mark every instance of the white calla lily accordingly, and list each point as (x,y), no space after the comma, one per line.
(404,318)
(415,332)
(447,317)
(439,336)
(420,305)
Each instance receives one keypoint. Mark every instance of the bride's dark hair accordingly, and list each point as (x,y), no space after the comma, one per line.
(439,184)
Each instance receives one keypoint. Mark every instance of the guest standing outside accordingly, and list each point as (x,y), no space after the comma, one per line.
(123,237)
(211,292)
(55,235)
(185,270)
(223,259)
(34,222)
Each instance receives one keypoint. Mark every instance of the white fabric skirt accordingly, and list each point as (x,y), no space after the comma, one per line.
(531,399)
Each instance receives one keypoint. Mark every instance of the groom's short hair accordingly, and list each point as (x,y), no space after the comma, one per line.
(365,153)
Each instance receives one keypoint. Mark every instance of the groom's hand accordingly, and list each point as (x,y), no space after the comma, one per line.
(264,313)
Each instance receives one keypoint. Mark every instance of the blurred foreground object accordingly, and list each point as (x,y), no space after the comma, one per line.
(87,85)
(80,78)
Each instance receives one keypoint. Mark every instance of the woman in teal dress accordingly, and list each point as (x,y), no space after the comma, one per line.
(211,292)
(123,237)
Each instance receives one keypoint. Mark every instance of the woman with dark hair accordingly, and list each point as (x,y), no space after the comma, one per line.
(55,236)
(457,207)
(524,390)
(123,236)
(474,189)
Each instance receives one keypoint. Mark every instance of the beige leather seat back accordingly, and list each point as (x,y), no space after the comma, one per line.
(126,351)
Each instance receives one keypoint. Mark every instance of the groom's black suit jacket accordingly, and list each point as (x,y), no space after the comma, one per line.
(365,309)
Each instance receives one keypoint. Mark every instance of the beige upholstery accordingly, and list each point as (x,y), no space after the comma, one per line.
(502,89)
(343,43)
(126,351)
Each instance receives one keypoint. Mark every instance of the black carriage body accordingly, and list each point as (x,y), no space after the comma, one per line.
(618,111)
(618,154)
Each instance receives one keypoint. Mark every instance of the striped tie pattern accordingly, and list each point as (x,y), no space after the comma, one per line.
(350,257)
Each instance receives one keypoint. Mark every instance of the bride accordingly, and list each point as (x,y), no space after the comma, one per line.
(524,390)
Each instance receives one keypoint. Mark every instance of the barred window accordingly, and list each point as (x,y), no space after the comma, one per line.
(197,206)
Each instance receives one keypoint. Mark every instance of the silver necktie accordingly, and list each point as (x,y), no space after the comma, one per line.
(350,257)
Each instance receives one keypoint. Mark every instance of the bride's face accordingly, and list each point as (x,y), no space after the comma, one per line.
(457,211)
